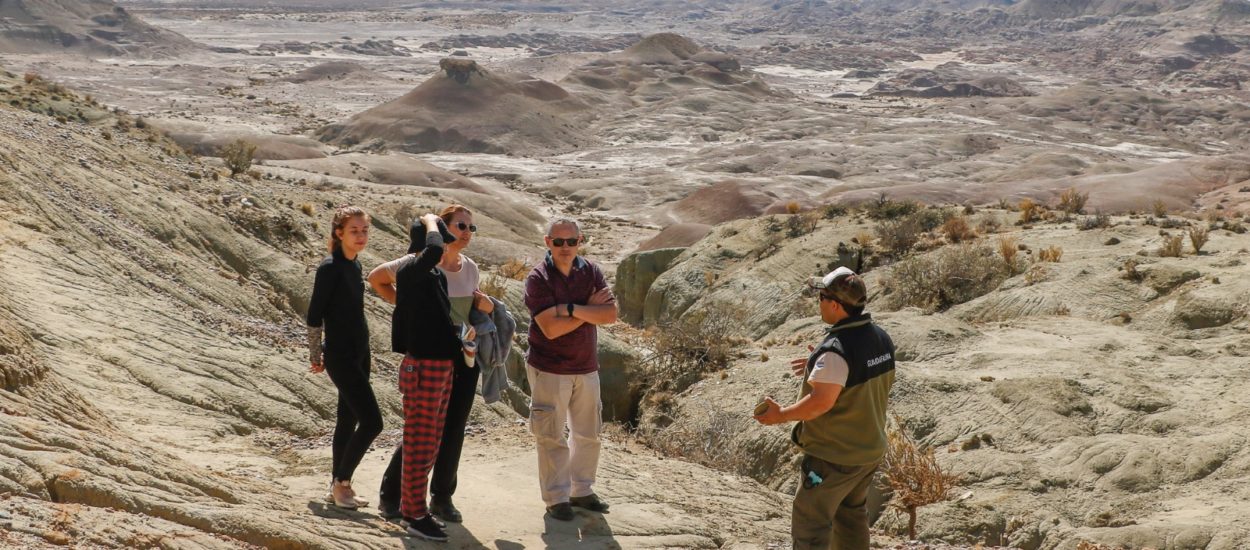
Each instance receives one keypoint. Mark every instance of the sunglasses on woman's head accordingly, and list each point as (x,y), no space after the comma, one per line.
(462,226)
(572,241)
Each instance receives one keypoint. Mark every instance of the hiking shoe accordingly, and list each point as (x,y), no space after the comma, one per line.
(590,502)
(389,512)
(443,508)
(562,511)
(427,528)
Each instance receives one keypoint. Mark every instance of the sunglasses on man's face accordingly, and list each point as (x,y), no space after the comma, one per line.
(572,241)
(462,226)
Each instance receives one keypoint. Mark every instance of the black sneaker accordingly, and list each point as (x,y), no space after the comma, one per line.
(443,508)
(562,511)
(427,529)
(590,502)
(389,512)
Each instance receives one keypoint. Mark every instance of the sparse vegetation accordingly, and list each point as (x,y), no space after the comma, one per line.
(693,345)
(308,209)
(30,78)
(801,224)
(956,230)
(238,156)
(885,208)
(1097,221)
(1198,236)
(495,286)
(1072,201)
(1173,246)
(793,207)
(1159,208)
(515,268)
(1130,271)
(914,474)
(1008,250)
(1030,211)
(1050,254)
(947,277)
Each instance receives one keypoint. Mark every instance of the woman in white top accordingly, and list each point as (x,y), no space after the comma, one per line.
(462,289)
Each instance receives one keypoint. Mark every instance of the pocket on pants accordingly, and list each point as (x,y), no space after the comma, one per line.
(543,422)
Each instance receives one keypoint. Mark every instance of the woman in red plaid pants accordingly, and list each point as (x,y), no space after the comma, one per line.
(422,330)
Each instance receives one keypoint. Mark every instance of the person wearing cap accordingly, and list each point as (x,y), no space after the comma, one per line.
(841,415)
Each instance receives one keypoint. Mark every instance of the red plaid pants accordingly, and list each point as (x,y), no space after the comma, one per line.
(425,385)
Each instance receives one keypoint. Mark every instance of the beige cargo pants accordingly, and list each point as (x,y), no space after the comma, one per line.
(832,514)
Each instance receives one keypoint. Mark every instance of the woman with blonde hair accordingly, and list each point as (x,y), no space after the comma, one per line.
(337,310)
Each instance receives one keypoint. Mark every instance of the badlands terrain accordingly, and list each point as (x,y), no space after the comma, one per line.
(1014,178)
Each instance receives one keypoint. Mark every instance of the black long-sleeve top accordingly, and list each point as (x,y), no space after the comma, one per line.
(338,302)
(421,325)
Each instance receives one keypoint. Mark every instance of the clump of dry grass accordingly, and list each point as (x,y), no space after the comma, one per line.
(793,207)
(1130,271)
(308,209)
(1072,201)
(30,78)
(1173,246)
(515,268)
(1008,250)
(495,286)
(957,230)
(1030,211)
(915,475)
(1198,236)
(1050,254)
(1160,208)
(946,277)
(238,156)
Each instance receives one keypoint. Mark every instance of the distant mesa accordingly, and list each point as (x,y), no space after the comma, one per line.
(725,201)
(663,66)
(91,27)
(948,81)
(666,48)
(466,108)
(333,70)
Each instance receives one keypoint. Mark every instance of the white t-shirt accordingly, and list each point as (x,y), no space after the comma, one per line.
(830,368)
(460,285)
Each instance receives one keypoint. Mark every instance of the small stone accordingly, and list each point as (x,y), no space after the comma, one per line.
(1112,241)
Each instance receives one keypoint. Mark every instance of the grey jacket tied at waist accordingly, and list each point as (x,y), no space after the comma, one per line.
(494,343)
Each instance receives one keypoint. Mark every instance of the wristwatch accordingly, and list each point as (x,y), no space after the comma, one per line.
(570,309)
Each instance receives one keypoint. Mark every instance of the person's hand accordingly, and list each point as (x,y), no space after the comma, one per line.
(771,415)
(601,297)
(317,368)
(471,336)
(799,366)
(482,302)
(430,220)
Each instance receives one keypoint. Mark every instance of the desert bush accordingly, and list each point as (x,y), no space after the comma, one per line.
(1159,208)
(1097,221)
(947,277)
(801,224)
(709,441)
(30,78)
(1072,201)
(1173,246)
(989,223)
(1036,274)
(914,474)
(898,236)
(832,211)
(308,209)
(697,343)
(1130,271)
(1198,236)
(864,239)
(238,156)
(1008,250)
(495,286)
(516,269)
(1050,254)
(956,230)
(885,208)
(1030,211)
(793,207)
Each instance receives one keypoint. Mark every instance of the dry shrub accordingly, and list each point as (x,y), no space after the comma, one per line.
(915,475)
(1008,249)
(1072,201)
(957,230)
(1097,221)
(1198,236)
(238,156)
(989,223)
(30,78)
(693,345)
(515,268)
(885,208)
(793,207)
(308,209)
(495,286)
(1130,271)
(864,239)
(1173,246)
(949,276)
(1086,545)
(801,224)
(899,236)
(1050,254)
(709,442)
(1030,211)
(1160,208)
(1036,274)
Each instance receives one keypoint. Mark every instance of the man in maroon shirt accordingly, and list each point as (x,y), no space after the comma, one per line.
(567,297)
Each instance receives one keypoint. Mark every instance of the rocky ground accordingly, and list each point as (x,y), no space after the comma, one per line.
(151,301)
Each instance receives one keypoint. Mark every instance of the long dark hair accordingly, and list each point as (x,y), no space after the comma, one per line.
(341,216)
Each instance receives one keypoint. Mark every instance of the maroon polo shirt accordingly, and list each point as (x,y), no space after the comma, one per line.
(577,351)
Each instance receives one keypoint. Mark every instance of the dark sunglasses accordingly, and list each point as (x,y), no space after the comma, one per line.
(462,226)
(574,241)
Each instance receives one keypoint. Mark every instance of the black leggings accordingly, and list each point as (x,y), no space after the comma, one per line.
(443,479)
(359,419)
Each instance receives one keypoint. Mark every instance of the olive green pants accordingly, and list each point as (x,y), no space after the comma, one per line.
(833,513)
